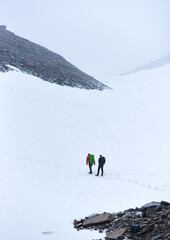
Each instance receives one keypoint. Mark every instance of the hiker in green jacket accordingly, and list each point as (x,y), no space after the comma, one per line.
(90,161)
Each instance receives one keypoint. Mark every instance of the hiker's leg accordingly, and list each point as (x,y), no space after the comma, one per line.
(102,170)
(90,167)
(98,170)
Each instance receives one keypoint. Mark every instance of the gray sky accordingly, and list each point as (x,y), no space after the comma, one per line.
(101,37)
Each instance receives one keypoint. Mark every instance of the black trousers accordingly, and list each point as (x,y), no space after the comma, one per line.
(100,167)
(90,167)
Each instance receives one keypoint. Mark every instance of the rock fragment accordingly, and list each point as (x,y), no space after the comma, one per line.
(116,234)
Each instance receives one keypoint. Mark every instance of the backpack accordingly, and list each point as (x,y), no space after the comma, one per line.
(103,160)
(91,159)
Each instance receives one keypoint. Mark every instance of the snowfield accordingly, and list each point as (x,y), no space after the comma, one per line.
(46,133)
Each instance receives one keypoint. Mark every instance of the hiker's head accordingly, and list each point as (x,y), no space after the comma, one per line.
(100,155)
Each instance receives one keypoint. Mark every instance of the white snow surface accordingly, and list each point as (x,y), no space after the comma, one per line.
(46,133)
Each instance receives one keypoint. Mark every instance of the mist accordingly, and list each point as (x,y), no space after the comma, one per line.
(103,38)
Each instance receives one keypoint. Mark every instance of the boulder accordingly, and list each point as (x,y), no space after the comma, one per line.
(151,204)
(134,228)
(98,219)
(116,234)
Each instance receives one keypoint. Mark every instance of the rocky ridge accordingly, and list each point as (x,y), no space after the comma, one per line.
(36,60)
(149,222)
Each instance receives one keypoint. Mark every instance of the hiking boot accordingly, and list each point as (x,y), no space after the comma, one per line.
(97,175)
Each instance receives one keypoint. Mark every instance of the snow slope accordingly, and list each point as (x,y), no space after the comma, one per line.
(154,64)
(46,132)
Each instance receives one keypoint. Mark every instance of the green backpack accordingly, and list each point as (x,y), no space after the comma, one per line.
(91,159)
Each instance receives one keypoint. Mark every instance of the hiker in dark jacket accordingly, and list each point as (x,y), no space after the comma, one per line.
(101,162)
(90,161)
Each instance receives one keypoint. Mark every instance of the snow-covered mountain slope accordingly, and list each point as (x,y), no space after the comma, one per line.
(155,64)
(46,132)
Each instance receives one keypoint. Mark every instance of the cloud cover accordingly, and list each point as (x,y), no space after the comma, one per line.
(101,37)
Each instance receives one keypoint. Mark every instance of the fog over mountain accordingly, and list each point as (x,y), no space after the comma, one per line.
(102,38)
(38,61)
(154,64)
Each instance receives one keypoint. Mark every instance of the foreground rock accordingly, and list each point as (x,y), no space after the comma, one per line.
(96,219)
(39,61)
(150,222)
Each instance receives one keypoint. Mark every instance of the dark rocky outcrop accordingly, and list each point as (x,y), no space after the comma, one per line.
(33,59)
(150,222)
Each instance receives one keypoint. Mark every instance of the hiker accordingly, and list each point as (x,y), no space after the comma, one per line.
(101,162)
(90,161)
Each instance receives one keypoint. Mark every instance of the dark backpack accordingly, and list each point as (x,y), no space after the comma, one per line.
(102,160)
